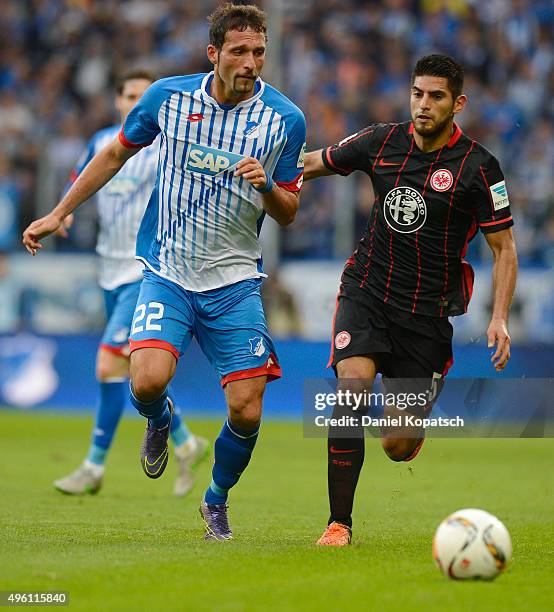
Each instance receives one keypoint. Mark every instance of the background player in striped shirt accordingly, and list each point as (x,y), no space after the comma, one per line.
(121,204)
(232,151)
(434,187)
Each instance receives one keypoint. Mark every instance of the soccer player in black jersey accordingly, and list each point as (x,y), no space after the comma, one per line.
(434,187)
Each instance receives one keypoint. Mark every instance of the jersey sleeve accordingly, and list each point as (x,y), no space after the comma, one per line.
(289,171)
(351,153)
(491,197)
(141,126)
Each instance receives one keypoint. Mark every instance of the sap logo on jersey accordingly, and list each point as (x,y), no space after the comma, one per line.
(206,160)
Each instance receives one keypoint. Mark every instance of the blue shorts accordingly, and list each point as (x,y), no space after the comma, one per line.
(120,305)
(228,323)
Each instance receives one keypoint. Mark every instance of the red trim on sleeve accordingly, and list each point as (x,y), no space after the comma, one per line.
(295,185)
(127,143)
(271,369)
(333,165)
(489,223)
(153,343)
(73,176)
(121,351)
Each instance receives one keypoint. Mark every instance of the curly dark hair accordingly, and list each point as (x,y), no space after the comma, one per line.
(235,17)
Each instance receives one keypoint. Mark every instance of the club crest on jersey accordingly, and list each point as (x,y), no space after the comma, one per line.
(252,129)
(404,209)
(257,347)
(210,161)
(441,180)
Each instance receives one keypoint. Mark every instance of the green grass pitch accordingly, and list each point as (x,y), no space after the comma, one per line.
(135,547)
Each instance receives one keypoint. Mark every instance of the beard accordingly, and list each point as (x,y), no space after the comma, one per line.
(243,85)
(432,130)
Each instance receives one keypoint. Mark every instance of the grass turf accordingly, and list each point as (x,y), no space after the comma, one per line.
(135,547)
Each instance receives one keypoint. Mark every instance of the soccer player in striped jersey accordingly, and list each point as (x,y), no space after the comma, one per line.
(434,189)
(121,204)
(232,151)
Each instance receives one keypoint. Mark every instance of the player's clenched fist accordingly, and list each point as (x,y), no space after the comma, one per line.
(40,229)
(251,170)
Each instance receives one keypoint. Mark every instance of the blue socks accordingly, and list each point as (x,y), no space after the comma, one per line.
(179,431)
(157,412)
(112,402)
(113,395)
(233,449)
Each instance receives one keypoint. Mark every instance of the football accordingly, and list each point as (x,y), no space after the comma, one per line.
(473,544)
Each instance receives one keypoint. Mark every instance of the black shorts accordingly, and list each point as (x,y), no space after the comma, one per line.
(403,345)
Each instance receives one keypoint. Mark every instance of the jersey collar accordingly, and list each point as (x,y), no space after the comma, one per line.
(456,134)
(205,87)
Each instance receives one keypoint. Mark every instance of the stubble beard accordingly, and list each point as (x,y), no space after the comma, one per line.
(435,131)
(246,87)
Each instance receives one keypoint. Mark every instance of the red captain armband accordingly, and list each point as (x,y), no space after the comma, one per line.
(127,143)
(295,185)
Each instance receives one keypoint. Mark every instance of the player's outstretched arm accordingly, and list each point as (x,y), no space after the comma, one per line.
(504,275)
(102,167)
(314,166)
(278,203)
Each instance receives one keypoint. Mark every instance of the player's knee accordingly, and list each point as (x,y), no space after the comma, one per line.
(149,385)
(103,372)
(398,449)
(111,365)
(245,411)
(151,371)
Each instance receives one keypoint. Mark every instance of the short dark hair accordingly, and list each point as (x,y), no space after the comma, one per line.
(235,17)
(136,73)
(438,65)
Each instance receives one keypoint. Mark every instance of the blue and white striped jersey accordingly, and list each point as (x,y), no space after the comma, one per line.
(121,205)
(202,224)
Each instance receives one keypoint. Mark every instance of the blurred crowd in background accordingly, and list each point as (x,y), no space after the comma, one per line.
(346,63)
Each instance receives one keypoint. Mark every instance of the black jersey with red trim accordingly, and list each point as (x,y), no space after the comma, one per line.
(428,206)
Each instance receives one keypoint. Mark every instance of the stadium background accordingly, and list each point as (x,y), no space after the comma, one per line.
(346,63)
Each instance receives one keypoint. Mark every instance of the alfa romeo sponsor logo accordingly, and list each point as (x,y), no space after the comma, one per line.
(342,339)
(441,180)
(405,210)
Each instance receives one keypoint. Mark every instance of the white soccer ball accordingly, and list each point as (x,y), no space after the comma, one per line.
(472,543)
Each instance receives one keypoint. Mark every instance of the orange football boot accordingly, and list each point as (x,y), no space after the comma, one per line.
(416,450)
(336,534)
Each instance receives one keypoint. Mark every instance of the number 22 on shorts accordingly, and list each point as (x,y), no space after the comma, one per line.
(156,312)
